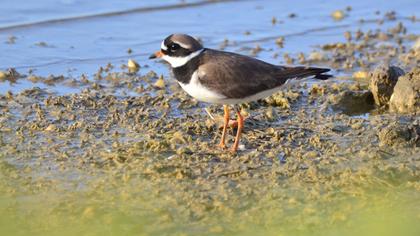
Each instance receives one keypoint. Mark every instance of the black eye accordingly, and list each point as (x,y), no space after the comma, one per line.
(174,47)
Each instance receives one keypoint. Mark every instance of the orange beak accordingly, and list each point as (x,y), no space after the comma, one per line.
(157,54)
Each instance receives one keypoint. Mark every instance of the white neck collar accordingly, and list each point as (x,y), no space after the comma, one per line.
(180,61)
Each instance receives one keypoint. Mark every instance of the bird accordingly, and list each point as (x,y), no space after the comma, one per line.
(226,78)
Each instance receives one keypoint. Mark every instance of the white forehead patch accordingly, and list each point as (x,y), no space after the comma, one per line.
(184,45)
(163,46)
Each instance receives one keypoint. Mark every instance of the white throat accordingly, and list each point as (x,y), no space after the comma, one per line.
(180,61)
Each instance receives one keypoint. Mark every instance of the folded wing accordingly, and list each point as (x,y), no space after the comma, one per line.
(237,76)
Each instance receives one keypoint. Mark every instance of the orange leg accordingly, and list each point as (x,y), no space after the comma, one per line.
(225,125)
(240,121)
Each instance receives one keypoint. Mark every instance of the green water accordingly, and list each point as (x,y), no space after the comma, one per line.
(119,202)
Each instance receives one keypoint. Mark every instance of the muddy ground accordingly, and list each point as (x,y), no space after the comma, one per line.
(132,154)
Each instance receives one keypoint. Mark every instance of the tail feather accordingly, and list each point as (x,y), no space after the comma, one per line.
(322,76)
(318,73)
(301,72)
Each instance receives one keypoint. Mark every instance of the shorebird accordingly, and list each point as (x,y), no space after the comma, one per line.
(226,78)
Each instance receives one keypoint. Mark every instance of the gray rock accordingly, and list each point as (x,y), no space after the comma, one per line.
(382,82)
(406,96)
(400,135)
(352,102)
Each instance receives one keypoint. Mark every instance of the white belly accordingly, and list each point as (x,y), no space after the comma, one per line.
(201,93)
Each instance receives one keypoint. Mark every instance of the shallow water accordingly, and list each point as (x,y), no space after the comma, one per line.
(80,46)
(85,164)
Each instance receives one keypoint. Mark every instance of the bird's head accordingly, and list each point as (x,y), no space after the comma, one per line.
(178,49)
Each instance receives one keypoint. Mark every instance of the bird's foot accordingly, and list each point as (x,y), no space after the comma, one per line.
(233,123)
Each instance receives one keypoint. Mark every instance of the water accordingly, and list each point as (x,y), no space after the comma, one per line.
(83,44)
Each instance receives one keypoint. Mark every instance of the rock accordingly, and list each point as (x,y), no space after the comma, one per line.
(352,102)
(360,75)
(160,83)
(338,15)
(133,66)
(10,75)
(280,42)
(406,96)
(3,75)
(416,45)
(317,56)
(400,135)
(382,82)
(51,127)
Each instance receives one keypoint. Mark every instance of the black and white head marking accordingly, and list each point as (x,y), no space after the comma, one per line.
(178,49)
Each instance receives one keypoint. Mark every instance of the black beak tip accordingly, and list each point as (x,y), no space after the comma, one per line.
(153,56)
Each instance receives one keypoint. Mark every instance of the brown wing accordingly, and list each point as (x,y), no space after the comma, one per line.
(238,76)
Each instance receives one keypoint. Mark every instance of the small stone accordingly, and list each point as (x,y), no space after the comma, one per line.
(160,83)
(416,45)
(3,75)
(133,66)
(9,95)
(42,44)
(273,20)
(51,127)
(11,39)
(280,42)
(34,78)
(338,15)
(301,58)
(360,75)
(256,50)
(391,15)
(406,93)
(11,75)
(289,60)
(383,36)
(317,56)
(382,82)
(347,35)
